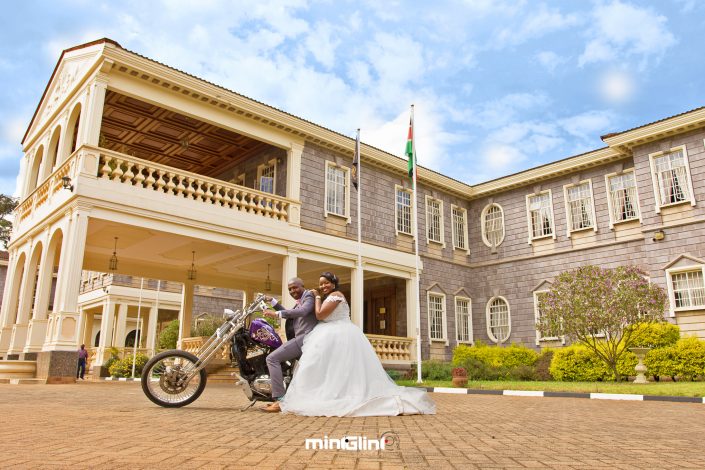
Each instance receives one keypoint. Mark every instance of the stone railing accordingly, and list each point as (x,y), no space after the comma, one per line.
(44,192)
(99,280)
(391,348)
(152,176)
(193,345)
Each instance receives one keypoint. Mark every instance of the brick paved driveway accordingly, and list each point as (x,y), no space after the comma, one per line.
(112,425)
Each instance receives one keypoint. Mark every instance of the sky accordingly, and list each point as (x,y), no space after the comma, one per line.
(498,86)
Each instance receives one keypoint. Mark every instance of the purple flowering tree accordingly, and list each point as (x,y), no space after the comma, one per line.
(600,307)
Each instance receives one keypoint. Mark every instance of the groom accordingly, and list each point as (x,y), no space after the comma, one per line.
(304,319)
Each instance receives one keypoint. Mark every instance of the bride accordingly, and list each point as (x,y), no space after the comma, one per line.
(339,373)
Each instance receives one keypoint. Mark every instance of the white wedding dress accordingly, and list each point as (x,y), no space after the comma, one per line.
(339,374)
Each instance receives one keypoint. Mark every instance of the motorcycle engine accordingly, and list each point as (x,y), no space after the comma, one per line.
(262,384)
(257,359)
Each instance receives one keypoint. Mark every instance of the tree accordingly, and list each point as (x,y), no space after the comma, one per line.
(600,308)
(7,205)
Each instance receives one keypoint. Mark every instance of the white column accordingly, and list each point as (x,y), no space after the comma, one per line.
(37,329)
(293,180)
(290,265)
(65,324)
(93,115)
(411,314)
(19,329)
(120,326)
(186,312)
(10,299)
(106,331)
(151,332)
(356,297)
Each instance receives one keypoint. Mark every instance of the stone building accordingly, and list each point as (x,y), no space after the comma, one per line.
(129,159)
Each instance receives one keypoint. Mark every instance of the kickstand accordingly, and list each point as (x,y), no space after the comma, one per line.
(249,406)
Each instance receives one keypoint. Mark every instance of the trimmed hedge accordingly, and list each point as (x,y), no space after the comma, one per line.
(484,362)
(577,363)
(123,367)
(657,335)
(685,360)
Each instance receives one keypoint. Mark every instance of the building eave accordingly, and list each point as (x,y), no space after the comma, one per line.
(641,135)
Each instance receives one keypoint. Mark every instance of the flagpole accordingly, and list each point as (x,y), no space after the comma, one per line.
(360,276)
(416,252)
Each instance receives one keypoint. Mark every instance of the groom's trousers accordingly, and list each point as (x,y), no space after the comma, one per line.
(286,352)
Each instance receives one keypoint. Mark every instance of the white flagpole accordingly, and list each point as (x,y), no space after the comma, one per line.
(360,276)
(416,248)
(139,329)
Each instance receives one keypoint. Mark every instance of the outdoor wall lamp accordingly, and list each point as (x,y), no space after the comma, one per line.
(66,183)
(112,265)
(659,235)
(191,273)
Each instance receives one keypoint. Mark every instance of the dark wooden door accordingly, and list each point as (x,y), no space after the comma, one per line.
(381,318)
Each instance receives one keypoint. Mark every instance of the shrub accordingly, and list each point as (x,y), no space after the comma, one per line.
(577,363)
(542,365)
(395,374)
(484,362)
(656,335)
(436,370)
(206,326)
(690,354)
(522,372)
(662,362)
(169,335)
(114,356)
(123,367)
(478,370)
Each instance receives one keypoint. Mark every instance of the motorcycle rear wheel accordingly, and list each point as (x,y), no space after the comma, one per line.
(164,379)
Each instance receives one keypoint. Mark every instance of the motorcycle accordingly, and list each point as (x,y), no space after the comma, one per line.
(175,378)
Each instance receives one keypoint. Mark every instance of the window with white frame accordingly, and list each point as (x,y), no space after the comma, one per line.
(492,219)
(436,316)
(463,320)
(688,289)
(460,228)
(434,220)
(623,198)
(336,190)
(403,210)
(672,177)
(540,215)
(579,206)
(539,298)
(498,319)
(266,176)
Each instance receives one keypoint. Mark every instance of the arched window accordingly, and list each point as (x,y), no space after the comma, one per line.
(34,176)
(72,134)
(53,150)
(499,322)
(97,340)
(130,339)
(492,220)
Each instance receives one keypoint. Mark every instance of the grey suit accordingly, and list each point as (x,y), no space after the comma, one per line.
(304,317)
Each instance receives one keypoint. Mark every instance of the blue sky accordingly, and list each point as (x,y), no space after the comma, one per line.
(499,86)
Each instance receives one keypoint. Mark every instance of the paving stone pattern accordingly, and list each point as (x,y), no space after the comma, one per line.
(112,425)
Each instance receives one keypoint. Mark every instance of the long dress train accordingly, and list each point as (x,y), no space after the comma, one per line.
(339,374)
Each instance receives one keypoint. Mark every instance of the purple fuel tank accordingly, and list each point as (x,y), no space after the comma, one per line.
(263,333)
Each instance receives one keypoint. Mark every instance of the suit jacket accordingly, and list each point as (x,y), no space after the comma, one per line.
(303,316)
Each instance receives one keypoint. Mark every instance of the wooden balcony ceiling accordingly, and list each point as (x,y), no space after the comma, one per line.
(152,133)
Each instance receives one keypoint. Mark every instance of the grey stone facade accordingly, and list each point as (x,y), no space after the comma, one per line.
(517,268)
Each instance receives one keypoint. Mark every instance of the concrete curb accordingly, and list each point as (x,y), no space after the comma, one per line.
(120,379)
(538,393)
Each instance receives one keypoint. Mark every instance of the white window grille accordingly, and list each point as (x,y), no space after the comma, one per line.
(580,210)
(436,314)
(688,289)
(266,176)
(624,200)
(672,178)
(463,320)
(493,225)
(460,228)
(336,190)
(403,211)
(434,220)
(541,215)
(498,320)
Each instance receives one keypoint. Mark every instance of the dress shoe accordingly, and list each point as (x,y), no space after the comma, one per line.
(272,408)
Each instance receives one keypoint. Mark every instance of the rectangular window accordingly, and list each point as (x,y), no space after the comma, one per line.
(540,215)
(460,228)
(672,177)
(539,297)
(579,205)
(436,314)
(688,289)
(403,211)
(463,320)
(336,190)
(624,203)
(266,177)
(434,220)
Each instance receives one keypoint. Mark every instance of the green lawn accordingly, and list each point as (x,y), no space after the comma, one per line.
(683,389)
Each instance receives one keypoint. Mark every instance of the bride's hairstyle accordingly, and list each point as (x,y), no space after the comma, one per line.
(332,278)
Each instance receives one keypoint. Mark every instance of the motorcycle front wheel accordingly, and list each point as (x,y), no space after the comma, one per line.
(165,379)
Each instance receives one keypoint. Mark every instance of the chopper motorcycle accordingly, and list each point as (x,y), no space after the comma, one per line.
(175,378)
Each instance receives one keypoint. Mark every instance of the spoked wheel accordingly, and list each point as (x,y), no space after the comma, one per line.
(168,379)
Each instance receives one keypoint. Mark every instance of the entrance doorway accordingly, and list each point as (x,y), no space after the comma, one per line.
(381,312)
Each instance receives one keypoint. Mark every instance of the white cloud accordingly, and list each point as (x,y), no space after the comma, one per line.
(621,30)
(504,110)
(550,60)
(537,23)
(322,44)
(588,125)
(616,86)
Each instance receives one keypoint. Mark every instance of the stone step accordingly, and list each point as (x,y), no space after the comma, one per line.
(223,375)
